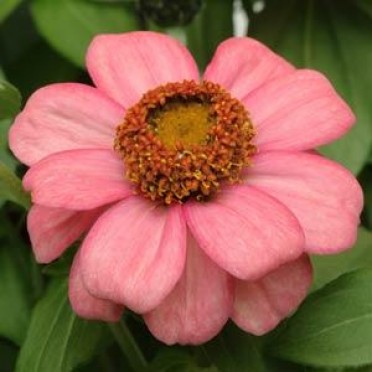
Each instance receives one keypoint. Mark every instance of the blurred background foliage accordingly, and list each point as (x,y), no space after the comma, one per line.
(44,41)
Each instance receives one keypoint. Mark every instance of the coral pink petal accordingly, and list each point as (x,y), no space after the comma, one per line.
(245,231)
(259,306)
(126,66)
(241,65)
(77,179)
(325,197)
(86,305)
(53,230)
(298,112)
(135,253)
(199,305)
(63,117)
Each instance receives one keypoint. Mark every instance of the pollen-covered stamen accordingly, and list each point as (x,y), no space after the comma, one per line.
(183,140)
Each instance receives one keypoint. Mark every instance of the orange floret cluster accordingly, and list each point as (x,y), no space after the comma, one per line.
(182,140)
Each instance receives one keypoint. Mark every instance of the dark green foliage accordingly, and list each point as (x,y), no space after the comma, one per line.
(45,41)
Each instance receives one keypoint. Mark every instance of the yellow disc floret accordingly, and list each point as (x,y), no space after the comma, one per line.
(182,122)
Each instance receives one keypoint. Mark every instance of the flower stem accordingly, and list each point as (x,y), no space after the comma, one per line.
(128,345)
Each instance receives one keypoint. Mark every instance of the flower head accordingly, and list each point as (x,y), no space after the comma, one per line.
(199,199)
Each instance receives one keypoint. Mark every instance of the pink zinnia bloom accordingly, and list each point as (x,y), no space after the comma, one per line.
(188,266)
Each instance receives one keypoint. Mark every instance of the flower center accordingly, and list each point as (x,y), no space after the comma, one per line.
(183,140)
(181,122)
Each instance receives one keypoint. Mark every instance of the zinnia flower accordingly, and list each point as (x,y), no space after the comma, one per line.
(200,198)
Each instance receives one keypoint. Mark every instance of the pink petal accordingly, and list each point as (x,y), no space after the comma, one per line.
(77,179)
(53,230)
(86,305)
(135,253)
(259,306)
(298,112)
(241,65)
(199,305)
(245,231)
(125,66)
(325,197)
(63,117)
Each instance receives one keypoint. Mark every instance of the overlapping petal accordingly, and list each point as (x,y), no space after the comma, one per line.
(199,305)
(241,65)
(135,253)
(259,306)
(189,267)
(77,179)
(325,197)
(298,112)
(245,231)
(126,66)
(63,117)
(86,305)
(52,230)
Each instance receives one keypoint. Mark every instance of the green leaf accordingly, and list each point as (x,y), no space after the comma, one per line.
(15,40)
(365,179)
(6,7)
(365,5)
(11,187)
(48,67)
(61,266)
(327,268)
(70,25)
(14,298)
(10,100)
(280,365)
(235,350)
(12,221)
(8,355)
(334,38)
(176,359)
(211,26)
(5,155)
(57,339)
(27,52)
(333,327)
